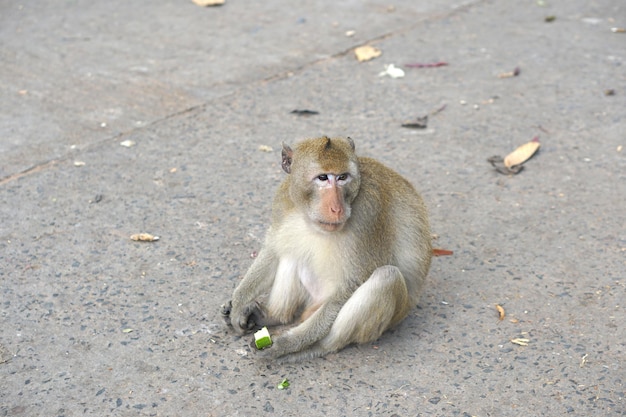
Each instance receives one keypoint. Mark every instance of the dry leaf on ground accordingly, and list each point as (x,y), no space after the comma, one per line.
(510,74)
(520,341)
(501,313)
(418,123)
(583,360)
(522,153)
(304,112)
(144,237)
(512,163)
(366,52)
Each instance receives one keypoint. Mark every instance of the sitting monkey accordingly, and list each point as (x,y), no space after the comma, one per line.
(344,259)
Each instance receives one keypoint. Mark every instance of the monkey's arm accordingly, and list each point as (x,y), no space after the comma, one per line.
(245,311)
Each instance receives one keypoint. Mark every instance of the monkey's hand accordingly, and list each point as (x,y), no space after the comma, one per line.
(283,348)
(243,319)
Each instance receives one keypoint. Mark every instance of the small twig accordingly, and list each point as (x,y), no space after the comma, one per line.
(426,64)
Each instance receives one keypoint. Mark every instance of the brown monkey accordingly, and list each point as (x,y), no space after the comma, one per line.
(344,259)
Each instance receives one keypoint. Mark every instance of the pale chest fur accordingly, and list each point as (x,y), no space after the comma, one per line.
(309,256)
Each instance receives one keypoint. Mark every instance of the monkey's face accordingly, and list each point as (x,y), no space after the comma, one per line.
(324,181)
(332,195)
(328,194)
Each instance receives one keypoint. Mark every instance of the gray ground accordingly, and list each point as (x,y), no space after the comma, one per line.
(92,323)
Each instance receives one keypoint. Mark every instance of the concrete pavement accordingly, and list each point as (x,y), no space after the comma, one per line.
(92,323)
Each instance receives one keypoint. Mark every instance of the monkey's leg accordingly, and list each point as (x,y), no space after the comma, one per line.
(378,304)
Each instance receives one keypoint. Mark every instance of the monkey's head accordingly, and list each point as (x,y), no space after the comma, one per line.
(324,180)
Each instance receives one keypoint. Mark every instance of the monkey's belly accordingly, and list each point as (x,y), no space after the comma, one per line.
(312,284)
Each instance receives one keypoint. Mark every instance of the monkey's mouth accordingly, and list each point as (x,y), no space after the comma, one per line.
(331,226)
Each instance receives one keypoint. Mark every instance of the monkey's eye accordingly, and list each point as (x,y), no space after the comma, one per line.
(322,177)
(342,177)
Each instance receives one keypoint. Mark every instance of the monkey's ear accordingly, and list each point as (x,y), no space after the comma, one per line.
(351,142)
(287,158)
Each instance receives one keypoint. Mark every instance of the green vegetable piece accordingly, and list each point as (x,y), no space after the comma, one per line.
(283,385)
(262,338)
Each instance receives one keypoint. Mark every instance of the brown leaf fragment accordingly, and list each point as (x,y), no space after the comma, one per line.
(419,123)
(366,52)
(522,153)
(442,252)
(510,74)
(501,313)
(144,237)
(304,112)
(208,3)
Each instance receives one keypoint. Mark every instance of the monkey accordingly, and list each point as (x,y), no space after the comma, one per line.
(345,256)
